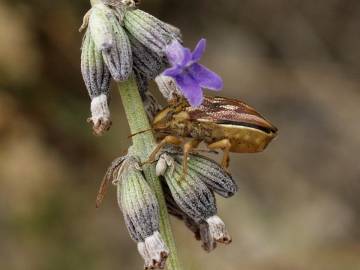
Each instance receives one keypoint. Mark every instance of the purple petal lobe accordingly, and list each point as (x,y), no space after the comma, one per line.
(172,72)
(175,52)
(190,76)
(190,88)
(187,57)
(199,50)
(205,77)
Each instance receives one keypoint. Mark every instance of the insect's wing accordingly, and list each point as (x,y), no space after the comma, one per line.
(222,110)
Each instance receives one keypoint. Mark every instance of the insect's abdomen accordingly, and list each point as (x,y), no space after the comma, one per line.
(243,139)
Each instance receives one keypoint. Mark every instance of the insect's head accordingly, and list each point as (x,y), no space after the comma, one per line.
(162,119)
(175,111)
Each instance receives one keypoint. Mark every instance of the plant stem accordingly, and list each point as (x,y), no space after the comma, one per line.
(143,144)
(94,2)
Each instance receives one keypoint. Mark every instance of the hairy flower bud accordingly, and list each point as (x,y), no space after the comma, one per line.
(212,174)
(151,105)
(111,40)
(189,199)
(202,168)
(190,194)
(142,81)
(94,71)
(126,3)
(119,57)
(97,80)
(164,162)
(167,87)
(150,31)
(209,232)
(145,60)
(154,251)
(141,213)
(100,115)
(174,210)
(100,27)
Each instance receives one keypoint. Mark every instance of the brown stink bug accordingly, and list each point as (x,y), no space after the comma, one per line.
(222,123)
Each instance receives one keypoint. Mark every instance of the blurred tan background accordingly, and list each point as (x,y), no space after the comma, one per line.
(297,62)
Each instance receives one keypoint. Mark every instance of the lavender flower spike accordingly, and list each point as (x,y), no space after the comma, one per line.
(190,76)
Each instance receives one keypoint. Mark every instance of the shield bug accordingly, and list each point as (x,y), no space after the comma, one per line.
(222,123)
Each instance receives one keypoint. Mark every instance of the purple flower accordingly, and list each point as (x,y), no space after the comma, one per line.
(189,75)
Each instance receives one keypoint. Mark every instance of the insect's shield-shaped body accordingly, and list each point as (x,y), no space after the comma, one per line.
(216,120)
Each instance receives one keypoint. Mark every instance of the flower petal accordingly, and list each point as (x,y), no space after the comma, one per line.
(199,50)
(190,88)
(175,52)
(172,72)
(206,78)
(187,58)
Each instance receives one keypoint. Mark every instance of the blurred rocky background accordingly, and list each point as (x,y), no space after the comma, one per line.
(297,62)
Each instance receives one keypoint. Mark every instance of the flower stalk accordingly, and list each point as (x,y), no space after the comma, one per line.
(94,2)
(143,144)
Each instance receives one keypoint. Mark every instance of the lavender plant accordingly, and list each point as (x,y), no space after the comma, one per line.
(132,47)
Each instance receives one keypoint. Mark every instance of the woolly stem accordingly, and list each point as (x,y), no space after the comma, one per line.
(94,2)
(143,144)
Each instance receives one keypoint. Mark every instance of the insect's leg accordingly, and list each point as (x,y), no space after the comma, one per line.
(224,145)
(167,140)
(116,164)
(190,145)
(85,21)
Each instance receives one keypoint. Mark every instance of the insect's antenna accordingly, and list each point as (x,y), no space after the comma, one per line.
(140,132)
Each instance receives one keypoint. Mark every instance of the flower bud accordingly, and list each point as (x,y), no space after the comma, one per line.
(122,6)
(217,230)
(167,87)
(111,40)
(209,232)
(100,27)
(174,210)
(212,174)
(145,60)
(142,82)
(100,115)
(165,161)
(126,3)
(141,212)
(151,105)
(119,57)
(157,252)
(202,168)
(213,231)
(191,195)
(94,71)
(150,31)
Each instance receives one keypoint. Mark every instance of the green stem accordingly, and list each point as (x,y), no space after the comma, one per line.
(143,144)
(94,2)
